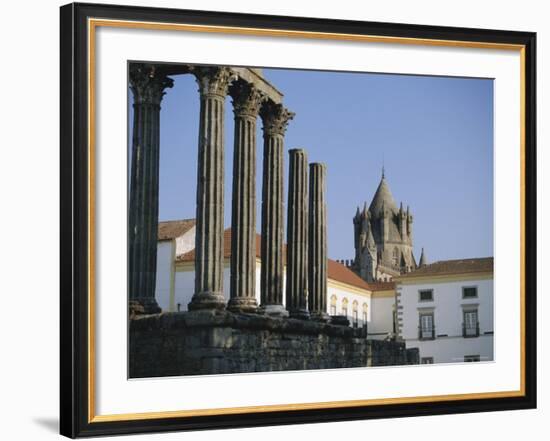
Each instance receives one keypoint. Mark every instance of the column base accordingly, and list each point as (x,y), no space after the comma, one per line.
(242,304)
(207,300)
(274,310)
(143,306)
(320,316)
(302,314)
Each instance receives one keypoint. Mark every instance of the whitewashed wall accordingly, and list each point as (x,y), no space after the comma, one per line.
(165,263)
(453,349)
(381,320)
(184,288)
(185,284)
(448,307)
(186,242)
(342,293)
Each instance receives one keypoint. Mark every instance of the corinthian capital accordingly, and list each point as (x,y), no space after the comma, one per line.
(148,82)
(213,80)
(246,99)
(275,118)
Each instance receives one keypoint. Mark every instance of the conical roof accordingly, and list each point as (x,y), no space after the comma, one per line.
(382,198)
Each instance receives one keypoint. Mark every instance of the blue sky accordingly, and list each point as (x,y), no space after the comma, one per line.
(433,134)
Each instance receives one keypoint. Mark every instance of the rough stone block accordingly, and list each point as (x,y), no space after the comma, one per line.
(214,342)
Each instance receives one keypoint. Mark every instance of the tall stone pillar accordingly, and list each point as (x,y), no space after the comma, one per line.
(317,242)
(246,105)
(297,237)
(147,83)
(275,119)
(213,86)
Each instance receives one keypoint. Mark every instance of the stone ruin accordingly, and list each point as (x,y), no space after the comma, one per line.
(240,336)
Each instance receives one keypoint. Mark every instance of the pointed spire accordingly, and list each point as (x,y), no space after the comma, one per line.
(382,198)
(357,213)
(365,209)
(401,207)
(423,260)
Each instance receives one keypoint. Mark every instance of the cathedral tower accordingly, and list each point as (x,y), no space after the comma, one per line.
(383,237)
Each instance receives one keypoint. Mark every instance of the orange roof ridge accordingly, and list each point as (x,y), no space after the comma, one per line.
(174,228)
(454,266)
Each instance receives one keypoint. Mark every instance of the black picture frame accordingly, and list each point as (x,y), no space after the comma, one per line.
(74,325)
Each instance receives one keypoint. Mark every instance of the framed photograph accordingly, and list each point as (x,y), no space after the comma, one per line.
(275,220)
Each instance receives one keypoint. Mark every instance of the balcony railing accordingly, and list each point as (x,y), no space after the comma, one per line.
(425,333)
(469,331)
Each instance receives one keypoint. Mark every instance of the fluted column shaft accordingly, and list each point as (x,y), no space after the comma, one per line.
(275,119)
(147,84)
(213,86)
(317,244)
(297,236)
(246,105)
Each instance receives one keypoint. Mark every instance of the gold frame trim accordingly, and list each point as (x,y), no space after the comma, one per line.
(92,25)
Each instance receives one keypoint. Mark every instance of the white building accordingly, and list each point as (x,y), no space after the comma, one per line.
(347,293)
(446,310)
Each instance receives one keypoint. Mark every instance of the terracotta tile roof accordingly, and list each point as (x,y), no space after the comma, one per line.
(336,271)
(451,267)
(175,228)
(341,273)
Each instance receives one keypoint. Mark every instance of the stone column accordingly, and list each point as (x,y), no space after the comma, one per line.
(147,83)
(246,105)
(275,119)
(213,86)
(317,242)
(297,237)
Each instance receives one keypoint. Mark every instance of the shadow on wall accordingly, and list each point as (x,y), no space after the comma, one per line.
(51,424)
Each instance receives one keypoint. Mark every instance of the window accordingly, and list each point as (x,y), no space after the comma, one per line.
(355,314)
(471,358)
(469,292)
(470,326)
(345,307)
(427,329)
(427,360)
(333,305)
(426,295)
(365,314)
